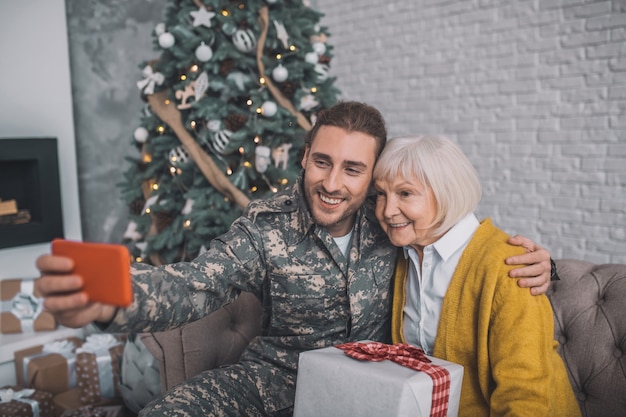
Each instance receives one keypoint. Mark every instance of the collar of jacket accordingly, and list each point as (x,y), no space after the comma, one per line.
(292,201)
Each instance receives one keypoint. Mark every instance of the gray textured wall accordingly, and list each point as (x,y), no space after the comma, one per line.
(533,90)
(108,40)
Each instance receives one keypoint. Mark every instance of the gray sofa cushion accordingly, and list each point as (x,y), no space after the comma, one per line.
(589,306)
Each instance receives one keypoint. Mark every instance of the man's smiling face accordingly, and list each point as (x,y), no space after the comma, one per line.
(338,172)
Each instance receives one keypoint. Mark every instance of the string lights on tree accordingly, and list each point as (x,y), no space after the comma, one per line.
(234,90)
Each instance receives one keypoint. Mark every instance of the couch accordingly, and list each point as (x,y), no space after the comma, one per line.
(589,304)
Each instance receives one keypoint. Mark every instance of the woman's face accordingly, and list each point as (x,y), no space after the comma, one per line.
(406,210)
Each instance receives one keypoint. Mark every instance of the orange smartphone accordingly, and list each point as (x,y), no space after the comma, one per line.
(105,269)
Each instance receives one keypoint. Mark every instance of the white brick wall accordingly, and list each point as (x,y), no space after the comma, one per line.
(534,91)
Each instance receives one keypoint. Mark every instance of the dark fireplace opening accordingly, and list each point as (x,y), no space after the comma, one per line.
(30,192)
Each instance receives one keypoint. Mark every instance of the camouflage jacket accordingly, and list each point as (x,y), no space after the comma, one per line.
(312,295)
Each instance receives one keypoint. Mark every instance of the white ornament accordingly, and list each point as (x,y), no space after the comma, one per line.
(188,206)
(142,246)
(202,17)
(131,232)
(271,1)
(262,158)
(319,47)
(221,139)
(166,40)
(322,72)
(244,40)
(240,79)
(178,156)
(141,134)
(280,73)
(308,102)
(312,58)
(201,85)
(151,78)
(269,108)
(213,125)
(204,52)
(281,155)
(159,29)
(281,33)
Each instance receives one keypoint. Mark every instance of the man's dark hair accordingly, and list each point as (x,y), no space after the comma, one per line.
(352,116)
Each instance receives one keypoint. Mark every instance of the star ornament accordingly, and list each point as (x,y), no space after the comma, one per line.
(202,17)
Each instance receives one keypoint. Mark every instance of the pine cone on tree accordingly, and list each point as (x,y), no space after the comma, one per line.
(235,121)
(324,59)
(136,207)
(162,219)
(226,66)
(288,89)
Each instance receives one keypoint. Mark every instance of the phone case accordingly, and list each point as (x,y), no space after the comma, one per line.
(105,269)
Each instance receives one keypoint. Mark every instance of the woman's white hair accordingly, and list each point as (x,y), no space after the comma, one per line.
(438,163)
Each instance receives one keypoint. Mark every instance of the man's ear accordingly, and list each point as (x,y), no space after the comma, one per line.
(305,156)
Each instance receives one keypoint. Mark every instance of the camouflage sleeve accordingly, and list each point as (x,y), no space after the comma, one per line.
(171,295)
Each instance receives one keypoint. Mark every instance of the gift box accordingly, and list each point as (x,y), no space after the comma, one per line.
(69,403)
(21,311)
(49,367)
(98,367)
(93,411)
(21,402)
(331,383)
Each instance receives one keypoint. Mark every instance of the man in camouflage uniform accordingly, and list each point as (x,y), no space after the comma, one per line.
(313,254)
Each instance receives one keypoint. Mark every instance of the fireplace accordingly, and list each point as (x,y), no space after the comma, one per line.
(30,192)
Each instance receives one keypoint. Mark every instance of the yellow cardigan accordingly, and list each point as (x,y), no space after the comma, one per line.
(500,333)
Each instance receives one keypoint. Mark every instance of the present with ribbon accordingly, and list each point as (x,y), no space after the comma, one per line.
(98,367)
(374,379)
(69,403)
(21,311)
(49,367)
(21,402)
(93,411)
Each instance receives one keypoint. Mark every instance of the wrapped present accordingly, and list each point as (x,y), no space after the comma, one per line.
(98,366)
(93,411)
(49,367)
(21,311)
(374,379)
(69,403)
(22,402)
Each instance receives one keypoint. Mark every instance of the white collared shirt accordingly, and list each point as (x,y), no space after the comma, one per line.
(425,291)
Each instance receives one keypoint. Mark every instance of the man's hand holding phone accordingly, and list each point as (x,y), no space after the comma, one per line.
(84,282)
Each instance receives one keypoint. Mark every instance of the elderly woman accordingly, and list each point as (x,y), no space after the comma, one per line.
(452,294)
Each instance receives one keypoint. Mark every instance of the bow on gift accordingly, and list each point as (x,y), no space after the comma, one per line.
(152,78)
(411,357)
(8,395)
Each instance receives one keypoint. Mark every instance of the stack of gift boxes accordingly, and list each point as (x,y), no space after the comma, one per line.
(66,377)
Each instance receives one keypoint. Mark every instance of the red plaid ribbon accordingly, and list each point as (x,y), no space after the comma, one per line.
(411,357)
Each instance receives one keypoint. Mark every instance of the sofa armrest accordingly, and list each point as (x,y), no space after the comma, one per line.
(217,339)
(590,326)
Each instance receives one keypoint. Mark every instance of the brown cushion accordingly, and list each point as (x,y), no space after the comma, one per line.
(214,340)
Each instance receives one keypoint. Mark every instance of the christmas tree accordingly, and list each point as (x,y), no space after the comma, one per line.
(228,103)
